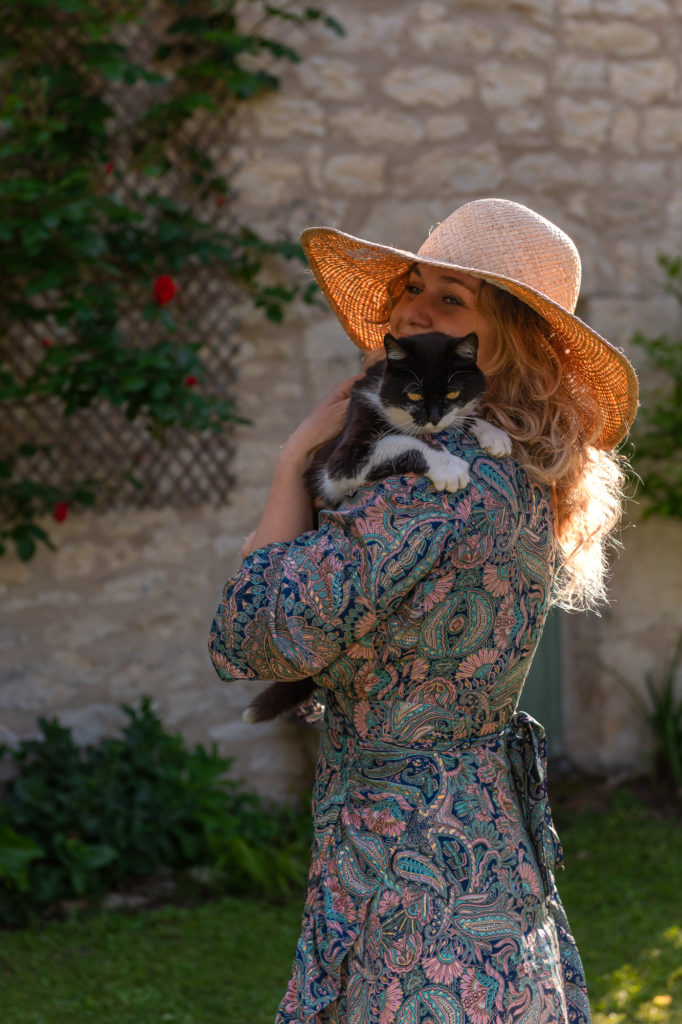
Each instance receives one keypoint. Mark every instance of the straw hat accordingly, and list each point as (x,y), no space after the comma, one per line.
(498,241)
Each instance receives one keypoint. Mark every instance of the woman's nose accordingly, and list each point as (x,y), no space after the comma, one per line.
(419,314)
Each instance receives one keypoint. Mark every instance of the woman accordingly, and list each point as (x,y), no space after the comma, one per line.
(431,894)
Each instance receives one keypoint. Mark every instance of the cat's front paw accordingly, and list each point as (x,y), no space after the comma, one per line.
(492,439)
(447,472)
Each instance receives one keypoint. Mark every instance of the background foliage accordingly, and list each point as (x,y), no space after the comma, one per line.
(78,821)
(657,433)
(89,239)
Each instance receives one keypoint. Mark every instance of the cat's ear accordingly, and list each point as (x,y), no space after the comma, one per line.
(467,347)
(394,349)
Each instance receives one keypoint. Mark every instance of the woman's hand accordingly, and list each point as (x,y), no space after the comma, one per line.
(288,510)
(322,424)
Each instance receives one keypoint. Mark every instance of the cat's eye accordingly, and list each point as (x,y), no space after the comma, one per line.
(453,394)
(414,397)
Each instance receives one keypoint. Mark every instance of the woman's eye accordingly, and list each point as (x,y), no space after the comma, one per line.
(452,300)
(413,396)
(413,289)
(453,394)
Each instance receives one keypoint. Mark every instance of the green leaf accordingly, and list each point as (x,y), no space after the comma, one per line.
(17,853)
(25,548)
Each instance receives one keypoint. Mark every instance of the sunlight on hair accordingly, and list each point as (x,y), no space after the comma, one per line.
(553,422)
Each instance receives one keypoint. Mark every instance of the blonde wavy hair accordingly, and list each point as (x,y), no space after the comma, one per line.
(553,425)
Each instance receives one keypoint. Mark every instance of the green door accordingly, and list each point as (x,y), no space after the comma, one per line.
(541,696)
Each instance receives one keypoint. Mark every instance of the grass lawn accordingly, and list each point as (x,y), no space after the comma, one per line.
(228,962)
(622,890)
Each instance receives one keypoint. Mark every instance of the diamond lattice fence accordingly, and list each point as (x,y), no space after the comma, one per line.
(99,442)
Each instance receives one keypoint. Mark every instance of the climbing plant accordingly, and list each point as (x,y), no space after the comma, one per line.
(657,434)
(92,244)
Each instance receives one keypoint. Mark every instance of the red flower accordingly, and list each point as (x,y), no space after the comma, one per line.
(164,289)
(109,168)
(191,381)
(220,201)
(46,342)
(60,511)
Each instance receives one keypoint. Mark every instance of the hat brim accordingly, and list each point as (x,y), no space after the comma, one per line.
(362,280)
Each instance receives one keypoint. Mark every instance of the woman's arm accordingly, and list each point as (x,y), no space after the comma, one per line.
(288,510)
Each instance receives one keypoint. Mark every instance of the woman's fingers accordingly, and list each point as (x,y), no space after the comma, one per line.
(324,422)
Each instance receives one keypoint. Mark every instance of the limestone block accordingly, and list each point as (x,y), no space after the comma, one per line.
(356,174)
(625,131)
(76,559)
(624,208)
(431,11)
(118,555)
(366,32)
(331,355)
(509,85)
(583,125)
(673,213)
(92,723)
(13,572)
(25,690)
(272,757)
(617,318)
(378,127)
(618,38)
(643,81)
(526,125)
(637,174)
(404,224)
(528,42)
(541,11)
(662,129)
(256,460)
(578,204)
(91,629)
(8,738)
(278,117)
(626,256)
(44,598)
(11,637)
(456,35)
(330,79)
(639,10)
(574,7)
(575,73)
(138,586)
(446,126)
(475,169)
(546,170)
(265,181)
(422,84)
(227,547)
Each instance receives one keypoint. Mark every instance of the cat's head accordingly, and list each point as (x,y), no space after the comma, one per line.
(430,381)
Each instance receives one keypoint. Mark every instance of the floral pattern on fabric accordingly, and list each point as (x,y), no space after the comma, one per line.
(431,894)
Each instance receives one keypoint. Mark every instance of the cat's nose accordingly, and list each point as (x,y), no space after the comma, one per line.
(434,414)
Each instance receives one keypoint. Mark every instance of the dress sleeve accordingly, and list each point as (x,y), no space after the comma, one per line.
(292,609)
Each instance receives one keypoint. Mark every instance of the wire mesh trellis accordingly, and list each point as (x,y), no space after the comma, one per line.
(99,442)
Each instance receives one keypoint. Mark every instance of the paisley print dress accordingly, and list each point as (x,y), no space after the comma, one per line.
(431,895)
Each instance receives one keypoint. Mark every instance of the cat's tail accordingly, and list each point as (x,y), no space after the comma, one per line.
(277,699)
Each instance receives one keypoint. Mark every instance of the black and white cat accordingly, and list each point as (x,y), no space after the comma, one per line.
(426,383)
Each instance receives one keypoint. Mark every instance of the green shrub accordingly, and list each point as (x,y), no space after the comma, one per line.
(79,821)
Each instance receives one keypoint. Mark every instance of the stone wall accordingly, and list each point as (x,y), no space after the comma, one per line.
(569,106)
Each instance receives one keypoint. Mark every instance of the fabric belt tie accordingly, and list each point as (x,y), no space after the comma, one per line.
(527,753)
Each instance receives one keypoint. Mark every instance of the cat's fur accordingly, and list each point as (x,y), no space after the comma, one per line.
(385,433)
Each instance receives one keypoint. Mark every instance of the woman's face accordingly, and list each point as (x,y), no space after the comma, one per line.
(437,299)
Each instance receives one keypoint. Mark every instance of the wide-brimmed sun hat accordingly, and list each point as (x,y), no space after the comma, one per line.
(498,241)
